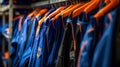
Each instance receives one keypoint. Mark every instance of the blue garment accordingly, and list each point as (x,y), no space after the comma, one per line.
(23,35)
(17,30)
(79,29)
(103,52)
(29,43)
(85,20)
(16,26)
(34,49)
(22,39)
(87,45)
(16,36)
(90,38)
(58,35)
(83,23)
(41,44)
(50,35)
(89,42)
(41,47)
(32,33)
(45,48)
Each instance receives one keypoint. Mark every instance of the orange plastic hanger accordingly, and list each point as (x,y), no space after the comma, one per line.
(80,9)
(95,4)
(41,12)
(35,11)
(56,12)
(107,8)
(67,12)
(54,18)
(69,7)
(40,22)
(17,17)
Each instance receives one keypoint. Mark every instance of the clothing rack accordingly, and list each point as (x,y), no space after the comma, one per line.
(10,9)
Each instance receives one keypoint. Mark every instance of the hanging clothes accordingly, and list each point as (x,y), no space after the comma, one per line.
(65,41)
(103,51)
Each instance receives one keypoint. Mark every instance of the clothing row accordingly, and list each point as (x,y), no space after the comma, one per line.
(46,39)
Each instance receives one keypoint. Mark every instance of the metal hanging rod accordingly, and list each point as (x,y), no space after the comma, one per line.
(44,3)
(5,8)
(57,1)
